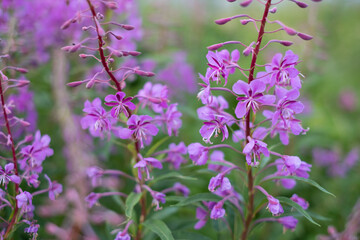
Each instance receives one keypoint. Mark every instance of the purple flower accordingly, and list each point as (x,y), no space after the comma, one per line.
(171,119)
(24,201)
(141,127)
(157,198)
(217,67)
(54,188)
(201,215)
(205,93)
(274,206)
(230,60)
(156,96)
(291,165)
(120,104)
(253,149)
(214,108)
(213,127)
(95,174)
(283,72)
(122,236)
(218,211)
(33,155)
(302,202)
(175,154)
(97,119)
(32,228)
(253,99)
(198,153)
(92,199)
(289,222)
(7,175)
(287,106)
(182,189)
(144,163)
(221,182)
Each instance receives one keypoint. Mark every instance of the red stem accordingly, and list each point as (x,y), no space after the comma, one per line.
(101,51)
(11,224)
(118,87)
(251,192)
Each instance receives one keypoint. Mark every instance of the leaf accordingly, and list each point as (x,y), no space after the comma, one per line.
(156,146)
(182,235)
(198,198)
(160,228)
(306,180)
(130,203)
(298,208)
(172,175)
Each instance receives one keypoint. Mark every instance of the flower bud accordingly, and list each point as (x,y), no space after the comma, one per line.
(90,84)
(273,10)
(222,21)
(246,3)
(286,43)
(289,31)
(215,46)
(248,50)
(245,21)
(304,36)
(21,70)
(127,27)
(66,24)
(300,4)
(75,84)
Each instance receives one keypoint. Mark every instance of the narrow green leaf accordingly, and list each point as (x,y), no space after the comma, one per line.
(306,180)
(156,146)
(160,228)
(172,175)
(298,208)
(198,198)
(130,203)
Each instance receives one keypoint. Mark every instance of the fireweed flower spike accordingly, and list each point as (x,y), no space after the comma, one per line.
(28,154)
(125,116)
(268,89)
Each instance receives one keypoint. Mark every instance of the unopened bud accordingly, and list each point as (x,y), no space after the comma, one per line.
(222,21)
(90,84)
(75,48)
(304,36)
(134,53)
(143,73)
(83,55)
(66,24)
(300,4)
(99,16)
(24,123)
(246,3)
(28,138)
(286,43)
(245,21)
(248,50)
(21,70)
(22,83)
(127,27)
(273,10)
(289,31)
(215,46)
(75,84)
(231,0)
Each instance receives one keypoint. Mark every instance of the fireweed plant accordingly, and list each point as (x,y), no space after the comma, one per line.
(271,90)
(133,119)
(22,156)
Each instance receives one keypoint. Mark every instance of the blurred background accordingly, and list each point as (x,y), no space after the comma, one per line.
(174,37)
